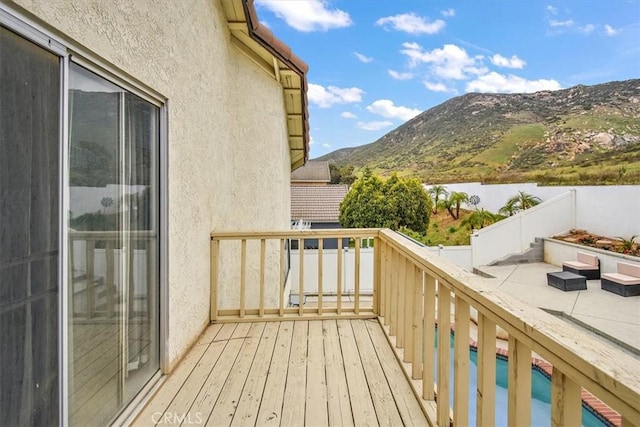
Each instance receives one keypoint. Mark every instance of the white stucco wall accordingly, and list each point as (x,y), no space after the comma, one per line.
(609,210)
(228,156)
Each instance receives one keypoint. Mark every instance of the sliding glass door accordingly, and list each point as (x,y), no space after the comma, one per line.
(113,321)
(29,232)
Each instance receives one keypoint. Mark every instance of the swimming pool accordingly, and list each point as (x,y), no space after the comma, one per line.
(540,394)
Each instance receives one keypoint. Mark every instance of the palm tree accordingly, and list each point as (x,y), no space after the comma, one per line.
(520,202)
(456,198)
(436,191)
(479,219)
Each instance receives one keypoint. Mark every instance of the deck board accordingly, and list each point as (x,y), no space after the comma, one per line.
(306,372)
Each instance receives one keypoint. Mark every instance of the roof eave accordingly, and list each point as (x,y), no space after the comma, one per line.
(277,59)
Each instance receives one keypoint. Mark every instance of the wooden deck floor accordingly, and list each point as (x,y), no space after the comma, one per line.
(292,373)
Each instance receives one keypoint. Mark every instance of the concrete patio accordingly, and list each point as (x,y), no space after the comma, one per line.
(611,316)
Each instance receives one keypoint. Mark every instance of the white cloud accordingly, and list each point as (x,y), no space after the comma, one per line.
(308,15)
(552,10)
(325,145)
(363,58)
(400,76)
(411,23)
(386,108)
(498,83)
(513,62)
(610,31)
(587,29)
(374,125)
(348,115)
(326,97)
(435,87)
(448,62)
(561,24)
(449,13)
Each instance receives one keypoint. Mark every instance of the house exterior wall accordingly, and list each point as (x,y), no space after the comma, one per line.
(228,156)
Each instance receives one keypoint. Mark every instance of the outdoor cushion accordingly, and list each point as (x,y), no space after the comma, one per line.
(587,259)
(622,279)
(580,265)
(629,269)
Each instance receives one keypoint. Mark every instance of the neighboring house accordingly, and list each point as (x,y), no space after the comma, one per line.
(318,205)
(129,131)
(315,172)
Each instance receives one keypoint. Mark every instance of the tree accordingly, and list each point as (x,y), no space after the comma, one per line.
(341,174)
(480,218)
(436,191)
(519,202)
(456,198)
(392,204)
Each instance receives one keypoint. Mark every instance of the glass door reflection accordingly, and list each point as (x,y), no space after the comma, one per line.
(113,338)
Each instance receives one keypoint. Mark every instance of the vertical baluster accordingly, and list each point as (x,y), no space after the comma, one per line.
(320,254)
(377,281)
(393,313)
(281,295)
(402,278)
(381,247)
(461,364)
(566,403)
(90,291)
(519,380)
(444,352)
(215,256)
(486,393)
(131,243)
(388,255)
(263,244)
(408,311)
(243,275)
(357,278)
(428,354)
(416,325)
(339,278)
(301,279)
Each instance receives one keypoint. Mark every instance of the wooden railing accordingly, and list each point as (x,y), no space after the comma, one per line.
(98,293)
(415,291)
(325,304)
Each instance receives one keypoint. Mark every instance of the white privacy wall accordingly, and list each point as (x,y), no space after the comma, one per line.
(612,210)
(514,234)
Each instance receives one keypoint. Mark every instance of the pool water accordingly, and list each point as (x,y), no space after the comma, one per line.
(540,394)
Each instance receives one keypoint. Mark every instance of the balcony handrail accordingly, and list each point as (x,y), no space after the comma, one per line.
(411,285)
(607,372)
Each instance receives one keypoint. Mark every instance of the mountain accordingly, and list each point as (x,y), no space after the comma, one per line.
(584,134)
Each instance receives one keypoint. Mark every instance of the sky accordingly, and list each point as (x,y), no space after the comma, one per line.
(374,64)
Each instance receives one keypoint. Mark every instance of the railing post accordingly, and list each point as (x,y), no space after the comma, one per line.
(356,308)
(408,311)
(243,275)
(263,244)
(416,326)
(444,352)
(90,287)
(402,280)
(519,380)
(301,278)
(428,354)
(215,255)
(377,267)
(566,408)
(339,278)
(486,393)
(461,363)
(111,286)
(320,255)
(281,295)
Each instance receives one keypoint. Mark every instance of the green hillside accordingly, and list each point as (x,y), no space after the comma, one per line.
(585,134)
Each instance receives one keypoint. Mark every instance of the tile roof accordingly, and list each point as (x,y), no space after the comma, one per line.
(313,171)
(317,203)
